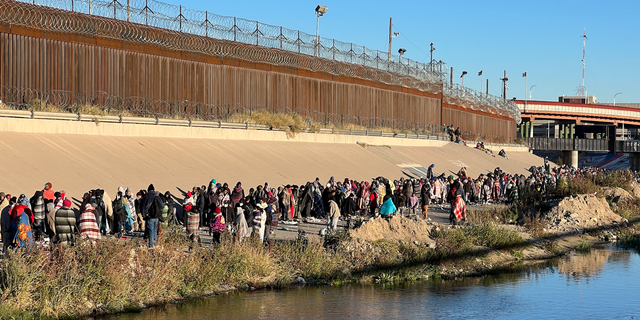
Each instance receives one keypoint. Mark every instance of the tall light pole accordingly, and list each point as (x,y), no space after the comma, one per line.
(320,11)
(535,85)
(614,97)
(431,53)
(524,74)
(462,77)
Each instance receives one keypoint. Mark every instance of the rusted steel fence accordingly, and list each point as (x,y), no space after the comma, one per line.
(159,24)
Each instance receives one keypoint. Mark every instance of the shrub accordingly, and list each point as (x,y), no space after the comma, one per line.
(583,247)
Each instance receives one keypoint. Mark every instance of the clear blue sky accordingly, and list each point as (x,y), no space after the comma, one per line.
(541,37)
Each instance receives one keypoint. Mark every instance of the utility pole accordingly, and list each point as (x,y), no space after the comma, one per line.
(487,87)
(451,77)
(504,86)
(390,37)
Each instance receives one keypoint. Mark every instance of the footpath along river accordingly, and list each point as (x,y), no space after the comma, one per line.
(602,284)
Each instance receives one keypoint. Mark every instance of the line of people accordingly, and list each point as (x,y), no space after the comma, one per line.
(219,209)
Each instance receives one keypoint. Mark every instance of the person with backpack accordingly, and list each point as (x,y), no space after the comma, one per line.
(152,213)
(99,211)
(119,215)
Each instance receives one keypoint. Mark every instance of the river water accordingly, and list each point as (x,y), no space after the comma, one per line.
(604,284)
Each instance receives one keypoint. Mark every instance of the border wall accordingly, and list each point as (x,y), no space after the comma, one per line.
(149,79)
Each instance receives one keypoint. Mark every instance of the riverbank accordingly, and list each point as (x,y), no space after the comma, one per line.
(114,276)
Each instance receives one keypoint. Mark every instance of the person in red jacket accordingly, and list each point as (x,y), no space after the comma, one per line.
(20,207)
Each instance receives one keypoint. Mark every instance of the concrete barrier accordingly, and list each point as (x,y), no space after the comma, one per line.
(166,128)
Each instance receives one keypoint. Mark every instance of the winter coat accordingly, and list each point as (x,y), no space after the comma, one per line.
(334,210)
(65,225)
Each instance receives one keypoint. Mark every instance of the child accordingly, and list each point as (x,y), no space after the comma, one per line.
(217,225)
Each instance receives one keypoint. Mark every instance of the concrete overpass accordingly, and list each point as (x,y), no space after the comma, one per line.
(173,62)
(578,127)
(567,115)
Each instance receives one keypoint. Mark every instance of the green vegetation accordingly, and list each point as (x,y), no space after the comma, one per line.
(583,247)
(629,239)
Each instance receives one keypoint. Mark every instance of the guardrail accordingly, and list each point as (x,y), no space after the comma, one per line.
(25,114)
(569,144)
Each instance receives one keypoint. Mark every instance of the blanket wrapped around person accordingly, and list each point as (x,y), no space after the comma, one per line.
(458,210)
(21,231)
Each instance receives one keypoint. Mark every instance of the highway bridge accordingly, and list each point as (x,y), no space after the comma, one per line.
(578,127)
(148,58)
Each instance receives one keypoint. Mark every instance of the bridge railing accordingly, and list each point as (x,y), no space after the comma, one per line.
(246,40)
(568,144)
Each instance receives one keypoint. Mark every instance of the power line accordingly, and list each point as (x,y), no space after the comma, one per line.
(402,34)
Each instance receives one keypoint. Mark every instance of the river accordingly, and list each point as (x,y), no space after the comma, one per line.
(601,285)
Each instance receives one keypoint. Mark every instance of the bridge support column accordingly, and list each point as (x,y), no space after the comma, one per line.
(634,161)
(570,158)
(530,129)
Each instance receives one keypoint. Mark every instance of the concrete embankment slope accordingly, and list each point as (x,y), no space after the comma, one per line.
(77,159)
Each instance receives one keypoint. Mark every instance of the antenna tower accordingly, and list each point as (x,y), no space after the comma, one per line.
(584,45)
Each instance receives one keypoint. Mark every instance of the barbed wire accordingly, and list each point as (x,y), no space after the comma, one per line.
(174,27)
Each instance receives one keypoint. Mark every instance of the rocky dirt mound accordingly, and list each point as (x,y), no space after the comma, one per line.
(575,213)
(635,189)
(617,195)
(397,228)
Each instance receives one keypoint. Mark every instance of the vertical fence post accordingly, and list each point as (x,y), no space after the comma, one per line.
(281,37)
(334,49)
(235,28)
(257,33)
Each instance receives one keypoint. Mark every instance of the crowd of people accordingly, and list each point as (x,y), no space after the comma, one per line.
(49,216)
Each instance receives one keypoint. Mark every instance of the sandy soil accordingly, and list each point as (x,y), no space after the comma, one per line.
(77,163)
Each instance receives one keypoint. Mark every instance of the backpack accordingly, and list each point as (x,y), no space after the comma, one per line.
(118,205)
(165,213)
(155,210)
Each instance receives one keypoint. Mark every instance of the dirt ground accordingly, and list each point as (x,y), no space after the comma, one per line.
(398,227)
(582,211)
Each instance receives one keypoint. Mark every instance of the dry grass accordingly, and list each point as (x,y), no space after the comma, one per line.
(114,275)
